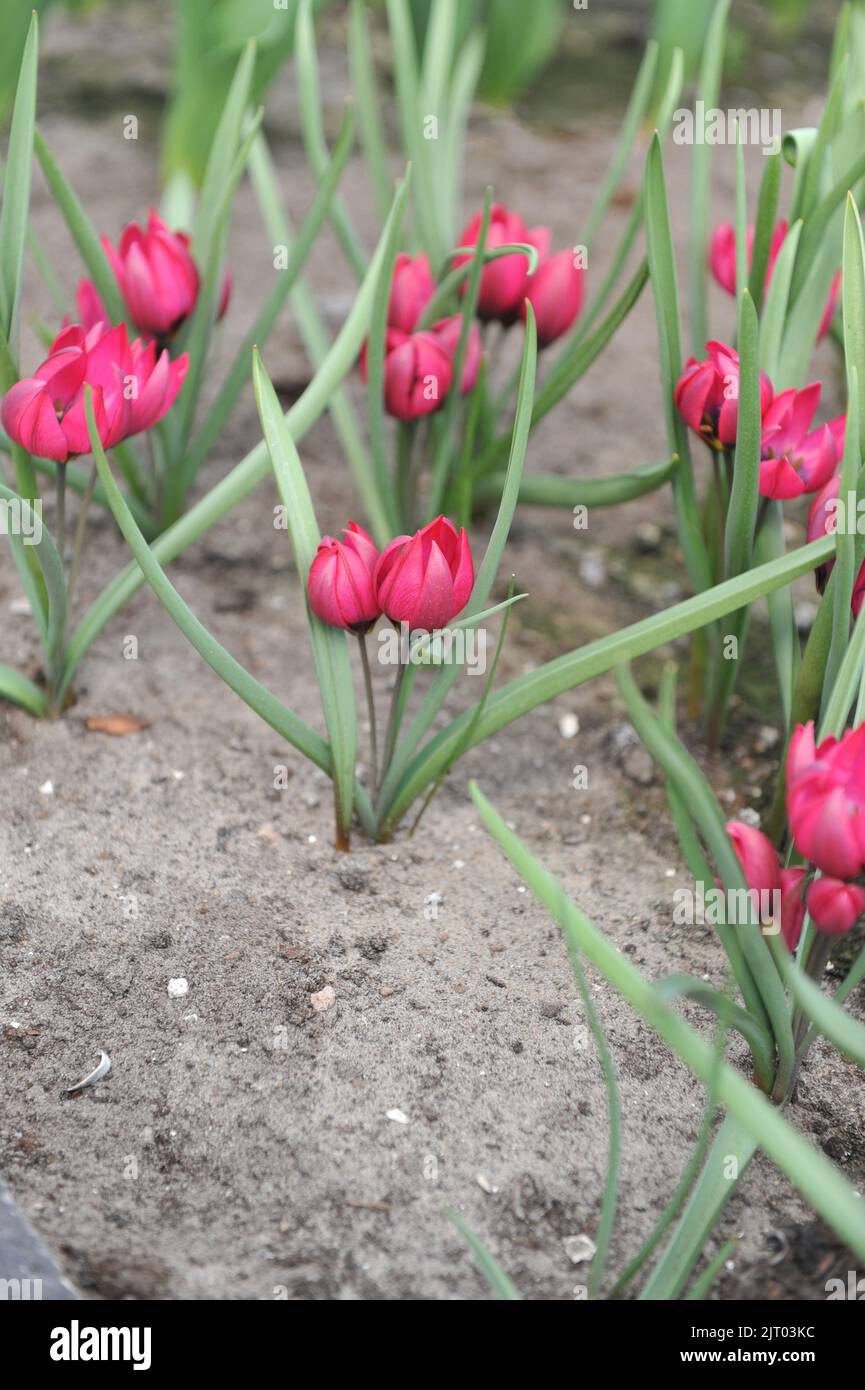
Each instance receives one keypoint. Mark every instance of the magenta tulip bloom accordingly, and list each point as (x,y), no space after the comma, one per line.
(822,521)
(426,579)
(412,288)
(133,387)
(504,282)
(448,331)
(795,459)
(722,261)
(555,292)
(417,374)
(341,586)
(707,395)
(826,800)
(834,906)
(157,276)
(757,856)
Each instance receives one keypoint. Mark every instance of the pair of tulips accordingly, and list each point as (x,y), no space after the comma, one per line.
(423,580)
(826,814)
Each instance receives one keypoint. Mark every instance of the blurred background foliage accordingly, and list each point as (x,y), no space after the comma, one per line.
(586,65)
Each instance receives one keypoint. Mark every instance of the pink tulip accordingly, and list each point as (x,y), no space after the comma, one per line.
(412,287)
(91,310)
(792,905)
(448,331)
(793,460)
(341,586)
(504,282)
(133,387)
(707,395)
(722,260)
(834,906)
(826,799)
(417,374)
(757,856)
(425,579)
(822,521)
(157,276)
(555,292)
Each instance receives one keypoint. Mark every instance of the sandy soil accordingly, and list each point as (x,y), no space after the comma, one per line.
(245,1146)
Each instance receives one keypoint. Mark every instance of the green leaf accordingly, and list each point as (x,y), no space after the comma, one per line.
(777,298)
(498,1281)
(764,227)
(566,672)
(635,115)
(368,109)
(853,298)
(708,91)
(376,352)
(82,232)
(51,567)
(744,494)
(555,490)
(329,645)
(662,267)
(467,69)
(814,1175)
(239,372)
(411,120)
(21,691)
(306,66)
(16,187)
(838,1027)
(672,987)
(845,536)
(222,157)
(252,692)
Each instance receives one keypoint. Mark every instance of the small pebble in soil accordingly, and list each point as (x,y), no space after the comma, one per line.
(178,987)
(749,816)
(47,789)
(648,536)
(398,1116)
(485,1185)
(433,900)
(579,1249)
(593,569)
(323,999)
(569,725)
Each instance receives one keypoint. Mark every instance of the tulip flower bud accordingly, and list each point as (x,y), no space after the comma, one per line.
(722,261)
(792,905)
(341,588)
(834,906)
(504,281)
(826,800)
(757,856)
(425,580)
(412,287)
(418,374)
(555,292)
(448,331)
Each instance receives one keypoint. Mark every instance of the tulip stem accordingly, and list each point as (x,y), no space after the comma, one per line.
(79,534)
(370,704)
(393,718)
(61,511)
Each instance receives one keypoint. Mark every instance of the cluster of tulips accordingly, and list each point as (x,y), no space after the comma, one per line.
(419,362)
(826,815)
(134,384)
